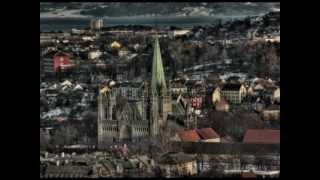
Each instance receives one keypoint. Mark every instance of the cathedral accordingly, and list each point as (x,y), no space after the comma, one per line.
(130,111)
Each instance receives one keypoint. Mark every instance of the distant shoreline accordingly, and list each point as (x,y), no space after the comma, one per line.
(67,23)
(217,16)
(48,24)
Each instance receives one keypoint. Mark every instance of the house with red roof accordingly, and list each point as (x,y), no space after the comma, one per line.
(262,136)
(188,136)
(61,61)
(197,135)
(208,135)
(249,174)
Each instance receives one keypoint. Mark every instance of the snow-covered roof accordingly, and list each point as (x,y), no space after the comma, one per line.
(66,83)
(78,87)
(54,86)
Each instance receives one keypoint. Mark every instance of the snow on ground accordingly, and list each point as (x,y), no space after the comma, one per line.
(56,112)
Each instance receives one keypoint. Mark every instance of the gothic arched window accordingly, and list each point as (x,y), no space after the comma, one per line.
(114,113)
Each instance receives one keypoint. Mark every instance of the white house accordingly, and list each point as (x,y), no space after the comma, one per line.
(216,95)
(276,95)
(176,33)
(234,93)
(94,54)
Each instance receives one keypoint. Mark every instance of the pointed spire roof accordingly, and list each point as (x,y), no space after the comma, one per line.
(158,79)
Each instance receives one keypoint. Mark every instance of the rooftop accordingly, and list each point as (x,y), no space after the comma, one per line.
(207,133)
(231,87)
(248,175)
(264,136)
(175,158)
(177,108)
(273,107)
(189,136)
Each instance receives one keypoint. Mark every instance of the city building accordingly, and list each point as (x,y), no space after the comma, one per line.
(272,112)
(178,33)
(197,135)
(208,135)
(94,54)
(96,24)
(233,93)
(61,61)
(249,174)
(131,90)
(195,87)
(121,119)
(222,105)
(47,66)
(188,136)
(276,95)
(121,71)
(177,165)
(216,95)
(178,88)
(66,171)
(115,45)
(197,101)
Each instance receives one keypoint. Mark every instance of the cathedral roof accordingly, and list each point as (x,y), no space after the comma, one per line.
(177,108)
(158,78)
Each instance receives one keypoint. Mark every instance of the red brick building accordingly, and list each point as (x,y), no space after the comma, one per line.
(198,135)
(61,61)
(196,102)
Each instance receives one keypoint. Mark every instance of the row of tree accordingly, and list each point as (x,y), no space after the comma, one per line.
(72,132)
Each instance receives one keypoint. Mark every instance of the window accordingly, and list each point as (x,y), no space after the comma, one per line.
(129,93)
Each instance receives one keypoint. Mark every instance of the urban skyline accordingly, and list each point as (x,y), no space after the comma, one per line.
(142,100)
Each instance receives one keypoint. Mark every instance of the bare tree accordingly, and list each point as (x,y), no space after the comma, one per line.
(65,135)
(232,124)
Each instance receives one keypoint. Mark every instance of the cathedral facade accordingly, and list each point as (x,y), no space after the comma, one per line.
(134,111)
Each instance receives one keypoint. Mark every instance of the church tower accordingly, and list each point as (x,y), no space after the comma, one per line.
(160,99)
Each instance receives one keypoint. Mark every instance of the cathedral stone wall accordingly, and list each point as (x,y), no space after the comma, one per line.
(141,115)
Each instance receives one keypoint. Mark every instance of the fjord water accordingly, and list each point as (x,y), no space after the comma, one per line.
(61,23)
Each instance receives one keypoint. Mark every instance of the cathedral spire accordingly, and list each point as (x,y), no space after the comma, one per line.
(158,82)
